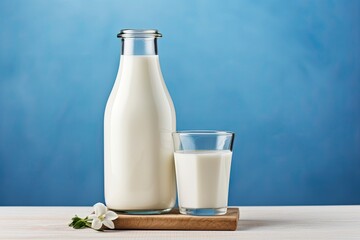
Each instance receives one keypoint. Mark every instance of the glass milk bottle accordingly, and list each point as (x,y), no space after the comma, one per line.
(139,119)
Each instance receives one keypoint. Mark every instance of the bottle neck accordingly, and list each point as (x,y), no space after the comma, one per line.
(139,46)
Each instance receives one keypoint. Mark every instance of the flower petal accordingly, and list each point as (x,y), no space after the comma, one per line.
(109,224)
(110,215)
(100,209)
(92,216)
(96,224)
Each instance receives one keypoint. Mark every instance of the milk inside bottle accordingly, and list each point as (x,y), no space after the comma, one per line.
(139,119)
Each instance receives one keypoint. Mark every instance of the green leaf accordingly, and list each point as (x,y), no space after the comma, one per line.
(78,223)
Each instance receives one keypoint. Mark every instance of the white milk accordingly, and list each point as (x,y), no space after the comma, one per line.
(139,120)
(203,178)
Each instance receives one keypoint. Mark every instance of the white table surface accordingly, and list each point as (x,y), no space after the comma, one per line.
(308,222)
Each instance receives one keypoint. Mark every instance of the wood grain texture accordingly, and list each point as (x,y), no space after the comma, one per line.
(303,222)
(176,221)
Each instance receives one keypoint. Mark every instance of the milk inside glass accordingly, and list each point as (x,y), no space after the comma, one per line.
(203,178)
(139,119)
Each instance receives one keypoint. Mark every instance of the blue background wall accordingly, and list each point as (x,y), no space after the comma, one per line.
(284,75)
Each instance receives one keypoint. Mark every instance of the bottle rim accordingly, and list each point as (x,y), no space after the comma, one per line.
(139,33)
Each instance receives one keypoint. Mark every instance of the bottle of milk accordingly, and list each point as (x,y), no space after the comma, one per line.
(139,119)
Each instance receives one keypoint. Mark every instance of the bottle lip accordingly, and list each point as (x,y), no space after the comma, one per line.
(139,33)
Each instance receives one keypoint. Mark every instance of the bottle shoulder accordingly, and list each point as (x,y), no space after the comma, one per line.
(140,91)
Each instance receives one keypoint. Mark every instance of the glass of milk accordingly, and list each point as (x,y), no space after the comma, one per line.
(202,164)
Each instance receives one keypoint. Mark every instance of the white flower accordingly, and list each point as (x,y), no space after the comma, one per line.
(102,216)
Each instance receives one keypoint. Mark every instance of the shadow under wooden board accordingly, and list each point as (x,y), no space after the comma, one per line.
(176,221)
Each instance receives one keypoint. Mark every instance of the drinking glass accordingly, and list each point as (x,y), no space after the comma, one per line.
(202,164)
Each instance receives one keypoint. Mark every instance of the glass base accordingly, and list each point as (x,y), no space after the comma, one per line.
(203,211)
(145,212)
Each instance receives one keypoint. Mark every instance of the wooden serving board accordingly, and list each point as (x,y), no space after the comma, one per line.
(176,221)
